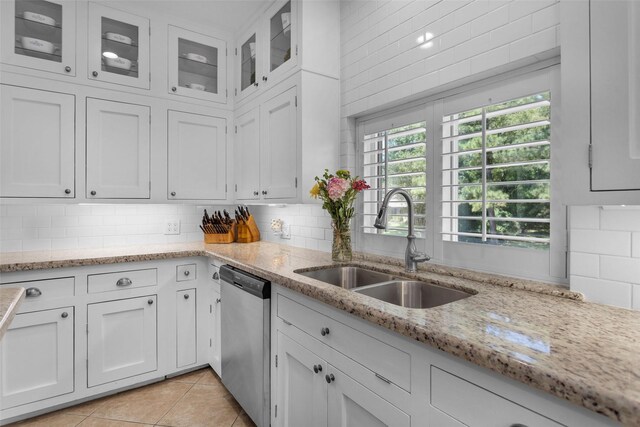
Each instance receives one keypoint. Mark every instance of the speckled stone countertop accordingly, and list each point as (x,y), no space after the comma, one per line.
(541,335)
(10,300)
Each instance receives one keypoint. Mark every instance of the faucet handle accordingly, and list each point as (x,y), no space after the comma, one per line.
(420,257)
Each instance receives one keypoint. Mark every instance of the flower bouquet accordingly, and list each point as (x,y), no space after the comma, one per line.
(338,192)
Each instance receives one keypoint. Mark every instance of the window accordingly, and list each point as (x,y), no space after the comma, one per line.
(396,157)
(496,174)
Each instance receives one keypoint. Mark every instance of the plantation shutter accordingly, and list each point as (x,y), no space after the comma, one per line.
(496,173)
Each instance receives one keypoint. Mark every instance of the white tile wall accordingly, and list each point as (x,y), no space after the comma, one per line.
(604,248)
(50,226)
(382,62)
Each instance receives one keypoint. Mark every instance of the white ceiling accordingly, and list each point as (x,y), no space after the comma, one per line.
(230,15)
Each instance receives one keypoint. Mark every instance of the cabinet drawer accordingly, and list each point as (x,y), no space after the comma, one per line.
(45,291)
(186,272)
(121,280)
(473,405)
(384,360)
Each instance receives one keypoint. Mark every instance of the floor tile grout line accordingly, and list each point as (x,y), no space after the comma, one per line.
(174,404)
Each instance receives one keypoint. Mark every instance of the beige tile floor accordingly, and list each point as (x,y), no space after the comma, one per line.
(191,400)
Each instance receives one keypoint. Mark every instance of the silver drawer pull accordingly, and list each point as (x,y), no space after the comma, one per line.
(187,272)
(382,378)
(125,281)
(218,300)
(33,292)
(64,315)
(186,296)
(216,276)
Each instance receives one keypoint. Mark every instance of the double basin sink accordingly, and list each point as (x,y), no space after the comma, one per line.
(387,288)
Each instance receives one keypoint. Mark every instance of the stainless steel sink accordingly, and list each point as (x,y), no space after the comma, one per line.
(348,277)
(411,294)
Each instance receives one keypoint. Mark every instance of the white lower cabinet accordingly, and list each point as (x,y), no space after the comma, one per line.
(36,357)
(351,404)
(122,339)
(186,334)
(302,388)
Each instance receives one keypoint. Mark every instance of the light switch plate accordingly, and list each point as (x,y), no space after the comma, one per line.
(286,231)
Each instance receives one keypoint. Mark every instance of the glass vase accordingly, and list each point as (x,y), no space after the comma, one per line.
(341,248)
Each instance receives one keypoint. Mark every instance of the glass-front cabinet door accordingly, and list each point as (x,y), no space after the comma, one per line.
(118,47)
(197,65)
(249,63)
(39,34)
(282,35)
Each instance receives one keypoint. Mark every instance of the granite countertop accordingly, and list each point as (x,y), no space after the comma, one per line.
(10,300)
(541,335)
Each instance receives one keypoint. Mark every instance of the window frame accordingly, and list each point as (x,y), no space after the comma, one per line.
(549,264)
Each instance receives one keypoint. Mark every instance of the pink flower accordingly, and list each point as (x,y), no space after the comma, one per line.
(337,187)
(360,185)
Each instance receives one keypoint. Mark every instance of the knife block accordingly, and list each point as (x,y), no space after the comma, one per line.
(229,237)
(248,232)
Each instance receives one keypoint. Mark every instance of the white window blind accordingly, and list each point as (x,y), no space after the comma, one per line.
(392,158)
(496,173)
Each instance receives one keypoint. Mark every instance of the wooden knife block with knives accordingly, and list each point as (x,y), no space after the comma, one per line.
(220,227)
(247,230)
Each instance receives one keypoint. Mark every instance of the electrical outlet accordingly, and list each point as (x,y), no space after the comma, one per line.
(172,226)
(286,231)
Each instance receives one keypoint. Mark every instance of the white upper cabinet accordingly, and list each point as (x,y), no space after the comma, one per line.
(249,57)
(197,157)
(278,146)
(247,156)
(37,143)
(268,50)
(282,39)
(615,95)
(118,47)
(39,34)
(118,149)
(197,65)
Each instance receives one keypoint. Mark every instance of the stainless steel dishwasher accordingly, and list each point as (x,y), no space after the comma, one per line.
(246,341)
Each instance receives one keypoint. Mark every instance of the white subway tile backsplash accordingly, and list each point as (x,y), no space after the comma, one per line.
(635,245)
(620,269)
(600,242)
(584,264)
(603,291)
(605,254)
(620,219)
(584,217)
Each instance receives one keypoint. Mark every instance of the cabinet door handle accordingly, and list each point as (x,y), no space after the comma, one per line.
(330,378)
(64,315)
(33,292)
(216,276)
(324,331)
(317,368)
(255,193)
(218,300)
(93,192)
(264,78)
(173,194)
(380,377)
(186,296)
(94,74)
(187,272)
(150,301)
(256,84)
(125,281)
(173,89)
(264,192)
(67,191)
(67,69)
